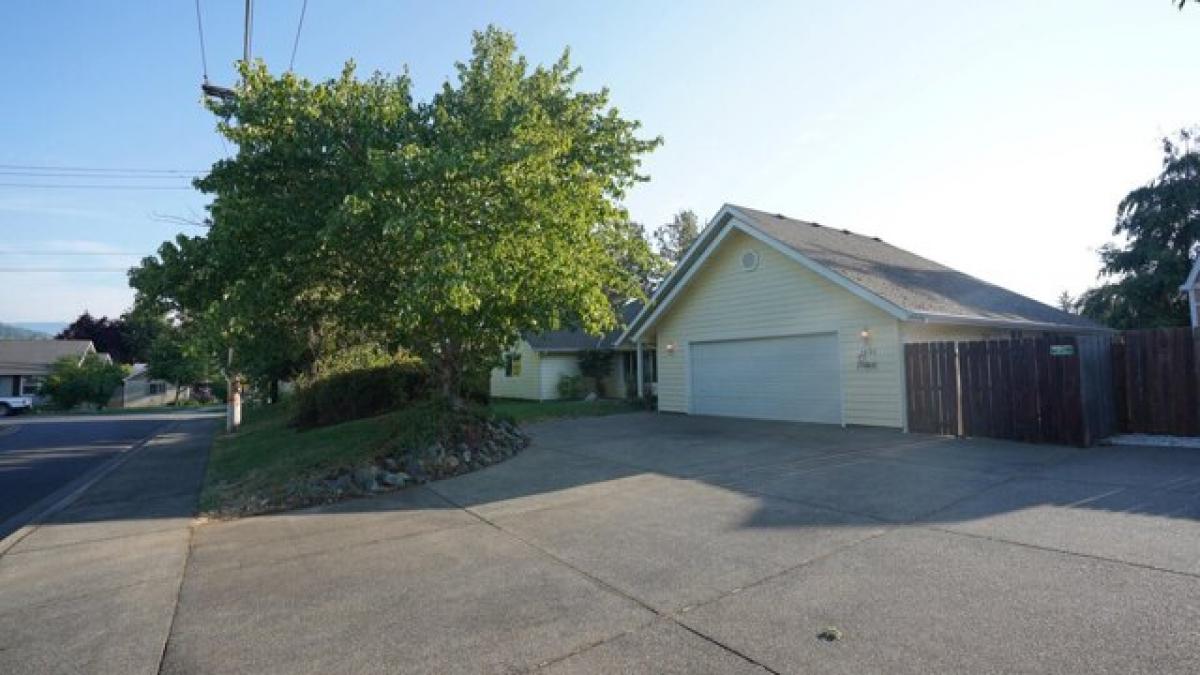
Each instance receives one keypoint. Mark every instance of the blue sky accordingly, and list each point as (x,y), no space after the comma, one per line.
(993,137)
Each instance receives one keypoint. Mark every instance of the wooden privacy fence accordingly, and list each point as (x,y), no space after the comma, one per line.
(1041,390)
(1157,381)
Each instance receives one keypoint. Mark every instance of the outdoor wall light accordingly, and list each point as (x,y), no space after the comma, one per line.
(865,334)
(670,347)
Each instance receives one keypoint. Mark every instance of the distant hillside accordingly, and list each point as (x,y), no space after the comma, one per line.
(49,328)
(10,332)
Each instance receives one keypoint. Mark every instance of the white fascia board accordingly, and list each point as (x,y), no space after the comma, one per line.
(681,269)
(824,272)
(1191,278)
(679,285)
(954,319)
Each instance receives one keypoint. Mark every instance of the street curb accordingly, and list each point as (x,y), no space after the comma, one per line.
(28,520)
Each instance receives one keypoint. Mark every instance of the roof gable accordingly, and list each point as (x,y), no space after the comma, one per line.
(901,283)
(31,357)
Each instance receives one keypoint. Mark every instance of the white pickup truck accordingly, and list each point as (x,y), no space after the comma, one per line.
(12,405)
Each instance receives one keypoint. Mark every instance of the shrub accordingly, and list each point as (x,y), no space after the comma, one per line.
(358,382)
(93,380)
(596,364)
(571,386)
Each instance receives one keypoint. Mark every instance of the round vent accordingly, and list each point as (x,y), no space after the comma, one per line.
(749,260)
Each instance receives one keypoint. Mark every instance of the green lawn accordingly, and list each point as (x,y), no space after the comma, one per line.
(266,455)
(521,411)
(266,459)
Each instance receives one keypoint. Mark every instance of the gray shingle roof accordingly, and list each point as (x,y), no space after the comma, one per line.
(35,357)
(906,280)
(574,339)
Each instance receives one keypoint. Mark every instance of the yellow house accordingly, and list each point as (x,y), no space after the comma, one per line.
(775,318)
(535,365)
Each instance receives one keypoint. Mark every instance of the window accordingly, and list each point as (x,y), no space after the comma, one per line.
(158,388)
(512,365)
(30,386)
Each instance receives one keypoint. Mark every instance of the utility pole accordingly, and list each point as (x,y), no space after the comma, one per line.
(248,30)
(233,408)
(233,396)
(215,90)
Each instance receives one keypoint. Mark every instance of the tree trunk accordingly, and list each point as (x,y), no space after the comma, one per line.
(449,374)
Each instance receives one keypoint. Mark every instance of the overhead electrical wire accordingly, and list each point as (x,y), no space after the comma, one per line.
(64,269)
(92,174)
(200,29)
(92,186)
(96,169)
(299,27)
(72,253)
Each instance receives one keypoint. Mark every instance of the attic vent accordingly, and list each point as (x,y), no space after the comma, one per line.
(847,232)
(816,224)
(750,260)
(876,239)
(779,216)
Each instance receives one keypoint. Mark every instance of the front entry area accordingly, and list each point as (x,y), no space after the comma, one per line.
(792,378)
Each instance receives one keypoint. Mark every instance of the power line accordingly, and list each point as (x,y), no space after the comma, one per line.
(15,270)
(98,169)
(93,174)
(57,253)
(200,29)
(299,27)
(87,186)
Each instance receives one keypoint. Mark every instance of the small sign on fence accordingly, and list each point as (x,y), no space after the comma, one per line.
(1062,350)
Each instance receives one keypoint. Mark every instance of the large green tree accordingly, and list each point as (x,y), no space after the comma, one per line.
(351,214)
(500,217)
(1161,225)
(676,237)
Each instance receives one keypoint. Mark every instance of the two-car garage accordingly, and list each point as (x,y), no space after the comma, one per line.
(781,378)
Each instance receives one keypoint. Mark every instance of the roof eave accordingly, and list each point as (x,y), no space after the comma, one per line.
(1011,324)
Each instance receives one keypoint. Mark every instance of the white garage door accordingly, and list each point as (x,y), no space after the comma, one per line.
(791,378)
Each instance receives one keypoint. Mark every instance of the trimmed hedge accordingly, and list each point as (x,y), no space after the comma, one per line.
(354,394)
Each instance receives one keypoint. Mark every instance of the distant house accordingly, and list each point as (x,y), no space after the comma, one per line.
(534,366)
(139,390)
(24,364)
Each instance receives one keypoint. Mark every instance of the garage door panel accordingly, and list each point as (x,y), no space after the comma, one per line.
(790,378)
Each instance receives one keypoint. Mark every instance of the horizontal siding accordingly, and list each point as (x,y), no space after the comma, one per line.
(554,367)
(778,298)
(528,385)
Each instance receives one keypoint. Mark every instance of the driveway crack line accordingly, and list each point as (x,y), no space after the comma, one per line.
(1051,549)
(672,616)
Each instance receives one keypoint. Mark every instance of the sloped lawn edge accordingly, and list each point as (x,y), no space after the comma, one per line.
(269,467)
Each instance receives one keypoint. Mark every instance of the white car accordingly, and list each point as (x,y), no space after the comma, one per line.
(12,405)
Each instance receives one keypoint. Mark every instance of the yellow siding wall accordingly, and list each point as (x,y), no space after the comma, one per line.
(778,298)
(527,385)
(554,367)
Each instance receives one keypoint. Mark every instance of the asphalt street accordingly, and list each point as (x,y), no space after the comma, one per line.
(39,456)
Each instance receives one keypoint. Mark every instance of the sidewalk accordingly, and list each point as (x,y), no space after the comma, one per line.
(94,589)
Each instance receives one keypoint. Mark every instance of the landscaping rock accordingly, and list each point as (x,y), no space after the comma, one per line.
(392,479)
(591,397)
(364,478)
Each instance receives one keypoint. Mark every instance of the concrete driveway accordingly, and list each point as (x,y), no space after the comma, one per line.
(667,544)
